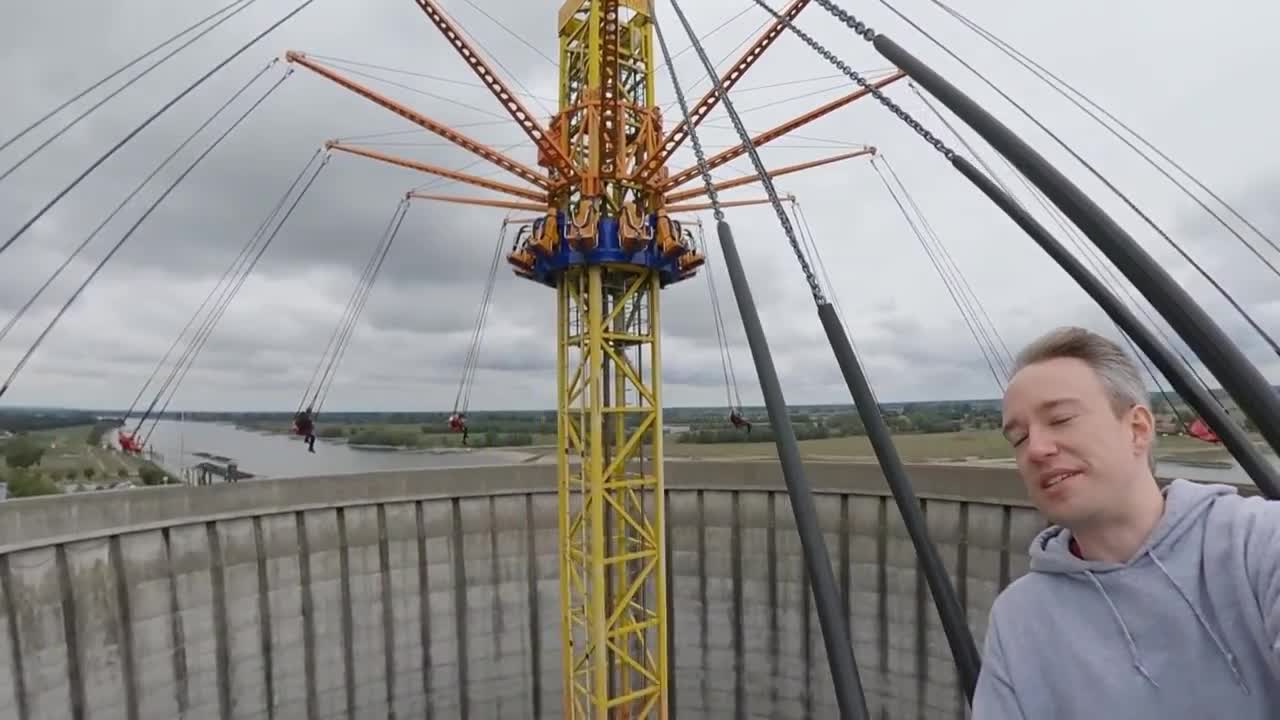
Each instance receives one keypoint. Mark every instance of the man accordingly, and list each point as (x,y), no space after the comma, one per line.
(1141,602)
(305,426)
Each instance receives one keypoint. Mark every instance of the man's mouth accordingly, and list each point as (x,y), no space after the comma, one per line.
(1057,478)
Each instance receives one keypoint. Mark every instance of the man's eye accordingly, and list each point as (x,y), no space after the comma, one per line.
(1061,420)
(1018,440)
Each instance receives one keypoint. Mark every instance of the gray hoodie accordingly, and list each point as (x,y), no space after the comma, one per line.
(1187,628)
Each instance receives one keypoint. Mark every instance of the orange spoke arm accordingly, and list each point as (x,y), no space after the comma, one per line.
(524,172)
(693,207)
(734,153)
(436,170)
(786,170)
(709,101)
(549,152)
(485,202)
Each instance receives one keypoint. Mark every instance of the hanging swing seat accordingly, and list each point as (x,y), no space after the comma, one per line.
(129,443)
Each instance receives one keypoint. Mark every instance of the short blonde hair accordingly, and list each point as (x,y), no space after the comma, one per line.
(1115,368)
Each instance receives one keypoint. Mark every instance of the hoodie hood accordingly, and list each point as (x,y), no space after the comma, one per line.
(1185,503)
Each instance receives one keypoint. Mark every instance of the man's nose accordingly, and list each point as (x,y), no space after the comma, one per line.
(1040,444)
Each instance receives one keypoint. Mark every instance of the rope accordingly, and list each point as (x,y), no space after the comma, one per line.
(462,401)
(200,341)
(330,347)
(74,253)
(22,133)
(244,253)
(928,251)
(722,336)
(869,34)
(958,279)
(163,108)
(345,343)
(1090,254)
(129,233)
(49,140)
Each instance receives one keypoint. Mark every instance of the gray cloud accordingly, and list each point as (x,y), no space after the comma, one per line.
(408,349)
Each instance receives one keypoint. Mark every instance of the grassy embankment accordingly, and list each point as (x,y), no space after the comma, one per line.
(68,460)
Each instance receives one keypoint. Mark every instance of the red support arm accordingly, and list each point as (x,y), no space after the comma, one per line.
(524,172)
(442,172)
(549,152)
(786,170)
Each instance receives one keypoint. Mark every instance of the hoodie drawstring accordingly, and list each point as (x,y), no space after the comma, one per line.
(1226,654)
(1133,646)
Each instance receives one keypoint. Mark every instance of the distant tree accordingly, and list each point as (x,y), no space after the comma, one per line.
(122,473)
(89,472)
(152,474)
(22,452)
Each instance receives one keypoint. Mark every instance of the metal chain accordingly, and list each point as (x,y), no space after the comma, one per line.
(717,211)
(745,138)
(861,29)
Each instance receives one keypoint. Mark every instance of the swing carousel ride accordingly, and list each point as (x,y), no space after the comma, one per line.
(608,224)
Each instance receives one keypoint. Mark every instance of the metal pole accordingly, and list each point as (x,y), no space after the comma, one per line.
(826,596)
(1264,474)
(1239,377)
(963,649)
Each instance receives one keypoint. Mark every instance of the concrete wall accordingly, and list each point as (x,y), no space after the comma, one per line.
(435,594)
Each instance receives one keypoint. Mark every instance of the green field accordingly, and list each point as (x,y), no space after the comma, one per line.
(67,453)
(931,447)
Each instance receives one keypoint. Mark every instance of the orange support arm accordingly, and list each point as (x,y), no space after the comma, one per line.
(508,204)
(520,170)
(709,101)
(786,170)
(549,152)
(732,154)
(724,204)
(436,170)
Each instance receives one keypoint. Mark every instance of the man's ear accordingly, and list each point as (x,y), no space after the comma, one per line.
(1143,425)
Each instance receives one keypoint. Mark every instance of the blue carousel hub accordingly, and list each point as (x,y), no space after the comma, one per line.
(608,249)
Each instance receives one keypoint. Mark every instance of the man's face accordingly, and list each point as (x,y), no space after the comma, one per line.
(1076,457)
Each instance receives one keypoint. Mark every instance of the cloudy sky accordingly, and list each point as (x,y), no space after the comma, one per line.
(1192,76)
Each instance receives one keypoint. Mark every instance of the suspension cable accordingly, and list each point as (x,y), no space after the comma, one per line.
(332,373)
(1103,271)
(983,347)
(832,617)
(1242,379)
(199,342)
(462,400)
(330,348)
(1040,71)
(843,15)
(960,282)
(163,108)
(22,133)
(75,121)
(120,243)
(244,253)
(74,253)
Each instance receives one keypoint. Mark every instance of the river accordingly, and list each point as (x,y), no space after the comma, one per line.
(268,455)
